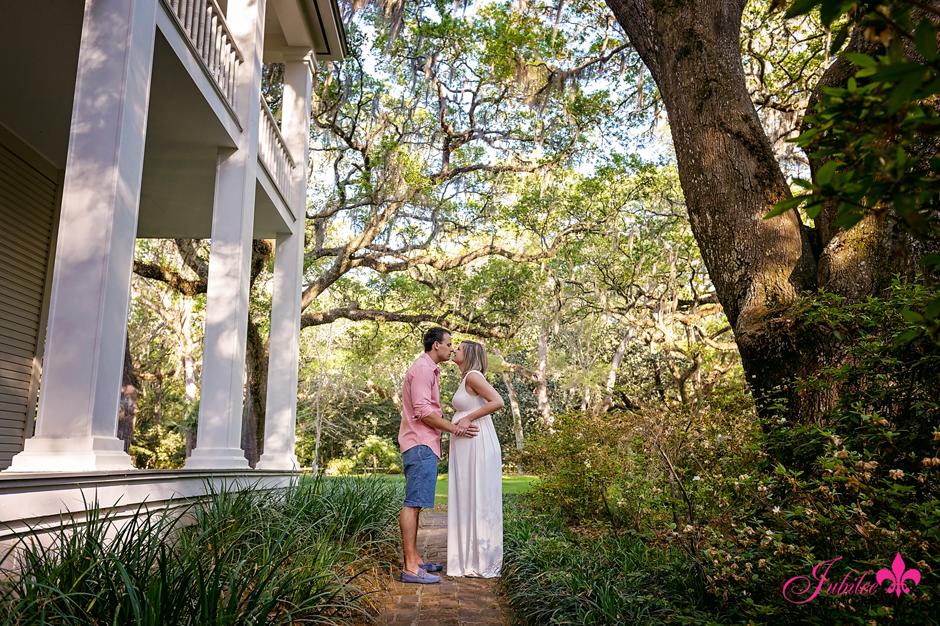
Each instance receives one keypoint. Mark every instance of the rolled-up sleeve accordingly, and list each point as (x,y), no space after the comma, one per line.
(424,396)
(420,398)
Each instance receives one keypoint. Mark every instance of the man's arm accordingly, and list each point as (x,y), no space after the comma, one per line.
(435,420)
(426,406)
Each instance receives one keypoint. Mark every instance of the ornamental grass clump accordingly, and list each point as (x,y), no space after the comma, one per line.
(284,556)
(553,575)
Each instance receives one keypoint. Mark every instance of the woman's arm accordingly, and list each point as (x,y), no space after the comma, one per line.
(481,387)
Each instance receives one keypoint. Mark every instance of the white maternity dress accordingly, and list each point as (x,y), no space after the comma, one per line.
(474,494)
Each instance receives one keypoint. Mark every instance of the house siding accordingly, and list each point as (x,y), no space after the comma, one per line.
(27,212)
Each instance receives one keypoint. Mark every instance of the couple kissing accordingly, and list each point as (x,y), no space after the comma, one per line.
(475,488)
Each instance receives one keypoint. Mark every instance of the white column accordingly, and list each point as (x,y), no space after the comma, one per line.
(218,438)
(81,379)
(280,422)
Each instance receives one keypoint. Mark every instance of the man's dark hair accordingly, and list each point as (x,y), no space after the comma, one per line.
(434,335)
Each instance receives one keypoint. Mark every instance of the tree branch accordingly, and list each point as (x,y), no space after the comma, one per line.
(372,315)
(173,279)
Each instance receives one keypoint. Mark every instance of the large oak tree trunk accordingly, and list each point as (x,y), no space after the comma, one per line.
(256,366)
(256,389)
(730,179)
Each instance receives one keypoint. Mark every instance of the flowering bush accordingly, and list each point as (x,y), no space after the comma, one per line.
(654,470)
(341,467)
(861,483)
(753,505)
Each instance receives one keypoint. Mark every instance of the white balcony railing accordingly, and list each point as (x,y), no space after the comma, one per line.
(204,23)
(273,152)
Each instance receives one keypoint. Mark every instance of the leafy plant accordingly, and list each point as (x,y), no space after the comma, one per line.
(875,136)
(246,557)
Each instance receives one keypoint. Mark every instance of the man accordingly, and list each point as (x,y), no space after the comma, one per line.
(422,423)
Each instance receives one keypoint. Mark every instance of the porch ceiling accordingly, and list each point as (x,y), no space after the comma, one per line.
(39,43)
(296,26)
(183,139)
(184,136)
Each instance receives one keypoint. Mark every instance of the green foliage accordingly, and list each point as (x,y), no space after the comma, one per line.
(552,575)
(378,452)
(861,483)
(341,467)
(156,447)
(876,134)
(650,471)
(249,557)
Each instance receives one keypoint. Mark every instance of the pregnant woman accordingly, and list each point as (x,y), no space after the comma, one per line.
(475,474)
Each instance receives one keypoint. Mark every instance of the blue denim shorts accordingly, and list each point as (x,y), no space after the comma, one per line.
(420,476)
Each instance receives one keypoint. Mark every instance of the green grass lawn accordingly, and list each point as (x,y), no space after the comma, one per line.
(512,483)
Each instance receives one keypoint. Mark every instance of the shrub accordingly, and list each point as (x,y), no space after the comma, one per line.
(157,447)
(751,504)
(649,470)
(861,483)
(341,467)
(379,453)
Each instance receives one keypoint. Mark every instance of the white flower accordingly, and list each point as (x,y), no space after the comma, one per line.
(769,533)
(776,511)
(697,478)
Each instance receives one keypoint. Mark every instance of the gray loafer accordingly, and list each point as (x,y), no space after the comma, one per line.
(422,578)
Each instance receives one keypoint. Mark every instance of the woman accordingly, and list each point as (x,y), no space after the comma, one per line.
(475,474)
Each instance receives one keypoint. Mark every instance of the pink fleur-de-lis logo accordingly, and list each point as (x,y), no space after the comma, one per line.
(897,575)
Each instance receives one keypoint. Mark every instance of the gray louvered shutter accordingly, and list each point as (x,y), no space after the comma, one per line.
(27,207)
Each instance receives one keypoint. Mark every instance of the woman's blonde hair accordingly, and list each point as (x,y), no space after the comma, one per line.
(474,355)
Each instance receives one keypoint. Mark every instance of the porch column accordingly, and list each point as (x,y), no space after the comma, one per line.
(81,380)
(218,438)
(280,422)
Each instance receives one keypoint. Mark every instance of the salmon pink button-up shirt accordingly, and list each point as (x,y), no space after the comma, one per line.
(421,397)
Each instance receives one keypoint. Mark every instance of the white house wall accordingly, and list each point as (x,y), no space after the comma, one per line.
(29,188)
(119,130)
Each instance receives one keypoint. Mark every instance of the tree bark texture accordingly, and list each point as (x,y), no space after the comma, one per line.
(615,362)
(731,179)
(256,389)
(516,416)
(256,367)
(541,382)
(130,399)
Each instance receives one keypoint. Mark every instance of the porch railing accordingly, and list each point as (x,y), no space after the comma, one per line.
(273,152)
(204,22)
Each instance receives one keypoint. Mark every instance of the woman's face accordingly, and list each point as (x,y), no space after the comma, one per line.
(459,355)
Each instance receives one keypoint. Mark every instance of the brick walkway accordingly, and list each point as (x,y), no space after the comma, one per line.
(453,601)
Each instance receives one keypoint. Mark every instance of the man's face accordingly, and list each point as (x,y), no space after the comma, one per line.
(442,349)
